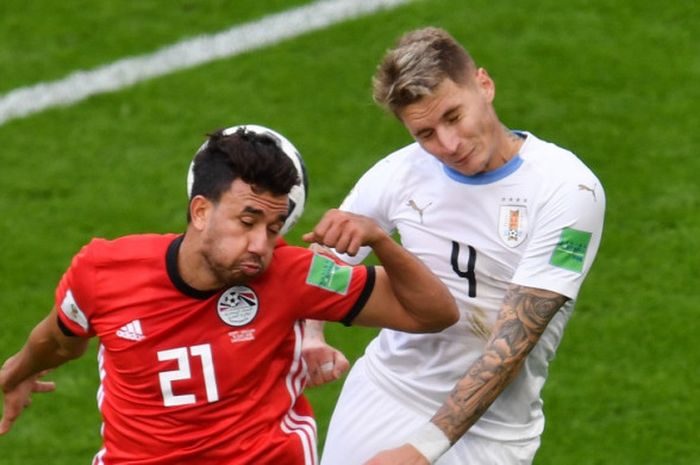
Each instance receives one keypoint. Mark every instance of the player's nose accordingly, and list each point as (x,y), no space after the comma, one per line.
(448,139)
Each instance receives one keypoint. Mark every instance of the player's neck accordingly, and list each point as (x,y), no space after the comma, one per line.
(506,145)
(193,268)
(512,141)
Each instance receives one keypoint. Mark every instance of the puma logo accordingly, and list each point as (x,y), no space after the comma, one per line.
(583,187)
(413,205)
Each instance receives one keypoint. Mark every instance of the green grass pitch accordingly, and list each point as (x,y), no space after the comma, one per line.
(616,82)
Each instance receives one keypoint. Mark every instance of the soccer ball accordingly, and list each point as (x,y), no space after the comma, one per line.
(297,196)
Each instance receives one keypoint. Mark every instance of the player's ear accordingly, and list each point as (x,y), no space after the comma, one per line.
(200,209)
(485,84)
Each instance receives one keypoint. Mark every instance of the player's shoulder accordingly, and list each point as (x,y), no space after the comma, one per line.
(291,259)
(399,168)
(286,255)
(288,271)
(401,160)
(543,152)
(558,173)
(131,247)
(553,162)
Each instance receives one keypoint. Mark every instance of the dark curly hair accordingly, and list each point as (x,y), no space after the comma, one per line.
(256,159)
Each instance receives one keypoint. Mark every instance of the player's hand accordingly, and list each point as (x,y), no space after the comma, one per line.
(17,398)
(404,455)
(323,362)
(345,232)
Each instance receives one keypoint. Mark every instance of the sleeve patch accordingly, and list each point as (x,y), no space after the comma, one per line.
(328,275)
(571,249)
(71,310)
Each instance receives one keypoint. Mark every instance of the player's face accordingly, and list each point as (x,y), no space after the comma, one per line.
(458,125)
(240,232)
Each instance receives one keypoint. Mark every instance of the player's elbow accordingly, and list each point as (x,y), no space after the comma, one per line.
(449,312)
(445,321)
(71,351)
(431,326)
(443,315)
(453,315)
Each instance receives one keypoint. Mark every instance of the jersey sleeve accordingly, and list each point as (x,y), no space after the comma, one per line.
(75,299)
(367,198)
(324,288)
(565,239)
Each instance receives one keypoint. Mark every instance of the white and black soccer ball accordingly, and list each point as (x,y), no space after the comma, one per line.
(297,196)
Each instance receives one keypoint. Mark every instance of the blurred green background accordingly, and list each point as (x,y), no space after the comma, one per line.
(616,82)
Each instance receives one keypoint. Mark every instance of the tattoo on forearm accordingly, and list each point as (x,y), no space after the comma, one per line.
(523,318)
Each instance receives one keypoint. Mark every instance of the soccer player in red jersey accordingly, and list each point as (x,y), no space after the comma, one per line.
(200,334)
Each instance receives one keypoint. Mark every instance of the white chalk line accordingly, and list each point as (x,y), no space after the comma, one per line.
(189,53)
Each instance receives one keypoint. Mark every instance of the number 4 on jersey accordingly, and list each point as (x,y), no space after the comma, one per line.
(471,262)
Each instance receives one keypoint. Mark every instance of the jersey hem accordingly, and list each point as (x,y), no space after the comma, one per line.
(362,299)
(427,407)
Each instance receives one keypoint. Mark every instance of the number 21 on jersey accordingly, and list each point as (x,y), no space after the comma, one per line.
(183,371)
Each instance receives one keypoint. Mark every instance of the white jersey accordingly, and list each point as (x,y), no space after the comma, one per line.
(536,221)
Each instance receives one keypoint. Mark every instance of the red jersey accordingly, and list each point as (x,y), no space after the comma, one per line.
(192,377)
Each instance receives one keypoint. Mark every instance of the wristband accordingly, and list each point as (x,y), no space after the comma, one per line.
(430,441)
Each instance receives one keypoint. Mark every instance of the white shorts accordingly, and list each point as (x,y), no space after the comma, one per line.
(368,420)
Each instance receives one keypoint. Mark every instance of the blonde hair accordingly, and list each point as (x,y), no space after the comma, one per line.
(420,61)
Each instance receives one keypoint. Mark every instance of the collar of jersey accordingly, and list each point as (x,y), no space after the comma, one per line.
(487,177)
(174,273)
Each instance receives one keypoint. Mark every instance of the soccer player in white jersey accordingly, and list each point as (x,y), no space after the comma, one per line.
(510,223)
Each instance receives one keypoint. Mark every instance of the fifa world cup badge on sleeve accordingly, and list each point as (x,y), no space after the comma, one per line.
(328,275)
(70,308)
(570,252)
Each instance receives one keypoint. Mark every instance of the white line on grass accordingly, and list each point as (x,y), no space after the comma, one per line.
(186,54)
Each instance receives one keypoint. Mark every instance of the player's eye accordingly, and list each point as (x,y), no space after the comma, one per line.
(275,229)
(247,222)
(453,118)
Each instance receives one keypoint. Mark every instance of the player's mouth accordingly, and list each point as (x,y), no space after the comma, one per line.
(250,268)
(460,162)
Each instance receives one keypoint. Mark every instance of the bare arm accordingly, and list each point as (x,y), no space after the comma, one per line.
(407,296)
(47,347)
(524,316)
(324,362)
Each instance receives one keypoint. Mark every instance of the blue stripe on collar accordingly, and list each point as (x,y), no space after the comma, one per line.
(487,177)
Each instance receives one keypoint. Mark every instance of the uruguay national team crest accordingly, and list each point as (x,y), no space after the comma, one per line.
(238,306)
(512,224)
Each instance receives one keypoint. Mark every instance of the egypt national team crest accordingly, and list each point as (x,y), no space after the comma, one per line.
(512,224)
(238,306)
